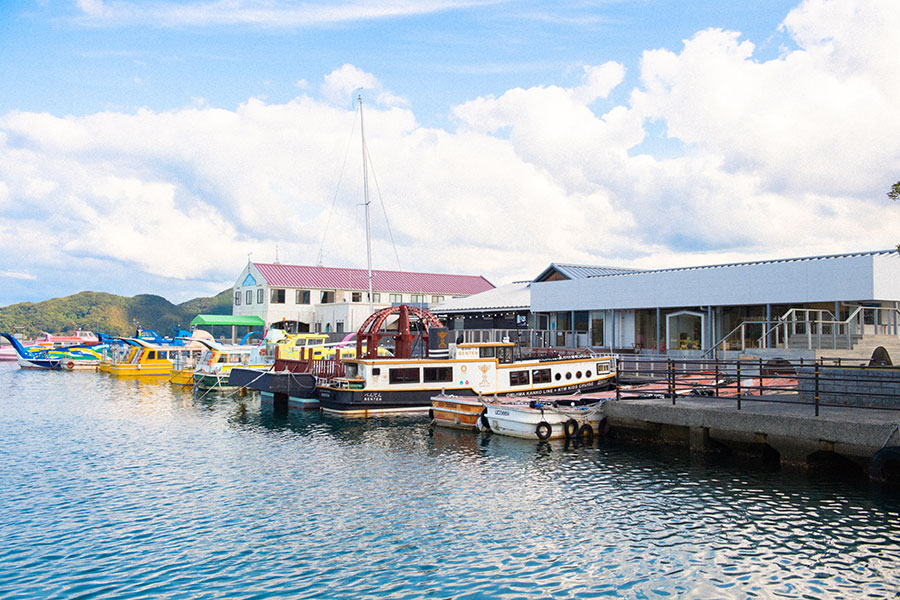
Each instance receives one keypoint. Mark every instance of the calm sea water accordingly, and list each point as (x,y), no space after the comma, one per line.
(124,489)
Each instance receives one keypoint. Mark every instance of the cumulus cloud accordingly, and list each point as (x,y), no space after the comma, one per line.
(783,157)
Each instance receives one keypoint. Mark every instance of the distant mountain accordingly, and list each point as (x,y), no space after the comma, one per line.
(107,313)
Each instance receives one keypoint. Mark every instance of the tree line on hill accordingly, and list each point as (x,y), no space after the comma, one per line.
(107,313)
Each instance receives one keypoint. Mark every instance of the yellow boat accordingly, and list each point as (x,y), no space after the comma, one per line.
(313,346)
(145,359)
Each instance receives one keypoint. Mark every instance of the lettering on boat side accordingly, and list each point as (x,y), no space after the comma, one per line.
(371,397)
(502,413)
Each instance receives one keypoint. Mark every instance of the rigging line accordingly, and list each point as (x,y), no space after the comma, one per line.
(336,190)
(384,210)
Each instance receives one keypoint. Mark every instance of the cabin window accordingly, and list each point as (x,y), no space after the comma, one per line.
(259,296)
(237,298)
(540,376)
(376,371)
(602,368)
(396,298)
(505,355)
(487,352)
(151,355)
(276,296)
(327,297)
(433,374)
(404,375)
(356,297)
(249,296)
(518,378)
(302,297)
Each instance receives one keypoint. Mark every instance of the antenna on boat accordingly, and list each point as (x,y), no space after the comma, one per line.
(362,127)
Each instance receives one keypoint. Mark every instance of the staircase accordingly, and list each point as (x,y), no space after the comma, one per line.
(864,347)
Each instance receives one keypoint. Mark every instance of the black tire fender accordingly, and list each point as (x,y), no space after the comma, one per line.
(586,434)
(543,430)
(570,428)
(485,425)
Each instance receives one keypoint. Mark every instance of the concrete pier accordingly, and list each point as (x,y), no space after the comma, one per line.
(788,433)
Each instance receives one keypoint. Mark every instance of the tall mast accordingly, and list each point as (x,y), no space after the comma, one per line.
(362,127)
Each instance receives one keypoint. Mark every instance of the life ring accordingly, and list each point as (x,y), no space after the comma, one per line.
(485,425)
(543,430)
(70,365)
(586,434)
(570,428)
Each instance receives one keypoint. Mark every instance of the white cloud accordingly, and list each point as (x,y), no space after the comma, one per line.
(783,157)
(265,13)
(17,275)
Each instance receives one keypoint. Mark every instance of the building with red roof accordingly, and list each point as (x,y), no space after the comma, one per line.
(334,299)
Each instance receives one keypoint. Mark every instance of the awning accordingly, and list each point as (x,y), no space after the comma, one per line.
(237,320)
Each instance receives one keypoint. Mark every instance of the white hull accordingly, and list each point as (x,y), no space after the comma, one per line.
(541,422)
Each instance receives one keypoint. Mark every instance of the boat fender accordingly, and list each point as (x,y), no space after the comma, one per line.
(431,413)
(543,430)
(586,434)
(885,465)
(485,425)
(570,428)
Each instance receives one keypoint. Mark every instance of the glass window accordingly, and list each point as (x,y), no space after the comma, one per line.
(436,299)
(259,296)
(249,296)
(410,375)
(540,376)
(302,297)
(339,326)
(376,297)
(356,297)
(395,298)
(438,374)
(327,297)
(276,296)
(417,298)
(237,298)
(518,378)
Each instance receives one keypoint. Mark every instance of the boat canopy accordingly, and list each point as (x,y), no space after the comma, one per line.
(234,320)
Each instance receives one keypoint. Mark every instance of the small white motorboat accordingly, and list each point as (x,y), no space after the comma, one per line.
(543,418)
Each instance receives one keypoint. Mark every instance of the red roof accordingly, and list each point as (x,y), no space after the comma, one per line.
(300,276)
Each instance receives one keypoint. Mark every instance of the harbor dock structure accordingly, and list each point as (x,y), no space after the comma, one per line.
(807,307)
(845,416)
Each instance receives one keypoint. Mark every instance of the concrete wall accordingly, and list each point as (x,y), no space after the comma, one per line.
(847,386)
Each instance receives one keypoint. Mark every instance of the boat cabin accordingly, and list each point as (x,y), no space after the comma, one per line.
(502,351)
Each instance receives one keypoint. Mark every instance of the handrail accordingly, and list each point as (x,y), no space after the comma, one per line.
(854,325)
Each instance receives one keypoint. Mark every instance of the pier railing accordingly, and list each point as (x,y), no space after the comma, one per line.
(837,383)
(811,329)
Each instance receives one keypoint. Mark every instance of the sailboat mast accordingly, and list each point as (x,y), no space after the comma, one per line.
(362,127)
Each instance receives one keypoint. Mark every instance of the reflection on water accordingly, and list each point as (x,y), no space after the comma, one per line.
(137,489)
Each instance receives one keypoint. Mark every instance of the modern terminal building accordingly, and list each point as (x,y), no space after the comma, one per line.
(812,304)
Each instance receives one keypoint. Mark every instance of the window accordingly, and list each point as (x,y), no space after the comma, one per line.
(249,296)
(395,298)
(259,296)
(602,368)
(327,297)
(276,296)
(302,297)
(518,378)
(356,297)
(339,326)
(540,376)
(417,298)
(404,375)
(237,298)
(436,299)
(376,297)
(318,328)
(432,374)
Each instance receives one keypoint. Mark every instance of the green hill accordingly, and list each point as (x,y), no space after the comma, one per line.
(107,313)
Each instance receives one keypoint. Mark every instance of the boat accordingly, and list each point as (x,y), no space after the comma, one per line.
(372,384)
(146,359)
(289,383)
(542,418)
(215,364)
(51,358)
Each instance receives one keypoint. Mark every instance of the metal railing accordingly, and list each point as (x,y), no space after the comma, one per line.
(535,338)
(811,329)
(836,383)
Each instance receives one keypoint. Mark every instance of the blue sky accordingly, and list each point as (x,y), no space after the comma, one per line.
(149,147)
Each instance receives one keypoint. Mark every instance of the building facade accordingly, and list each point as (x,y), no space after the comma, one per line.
(328,299)
(733,306)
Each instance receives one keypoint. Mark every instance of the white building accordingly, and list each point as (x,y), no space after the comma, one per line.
(797,302)
(329,299)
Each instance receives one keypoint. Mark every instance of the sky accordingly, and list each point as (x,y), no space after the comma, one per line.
(156,146)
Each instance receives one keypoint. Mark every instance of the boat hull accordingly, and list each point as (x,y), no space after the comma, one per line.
(293,402)
(287,383)
(363,402)
(456,412)
(39,363)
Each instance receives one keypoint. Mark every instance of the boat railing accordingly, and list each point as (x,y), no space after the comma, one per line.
(526,338)
(811,329)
